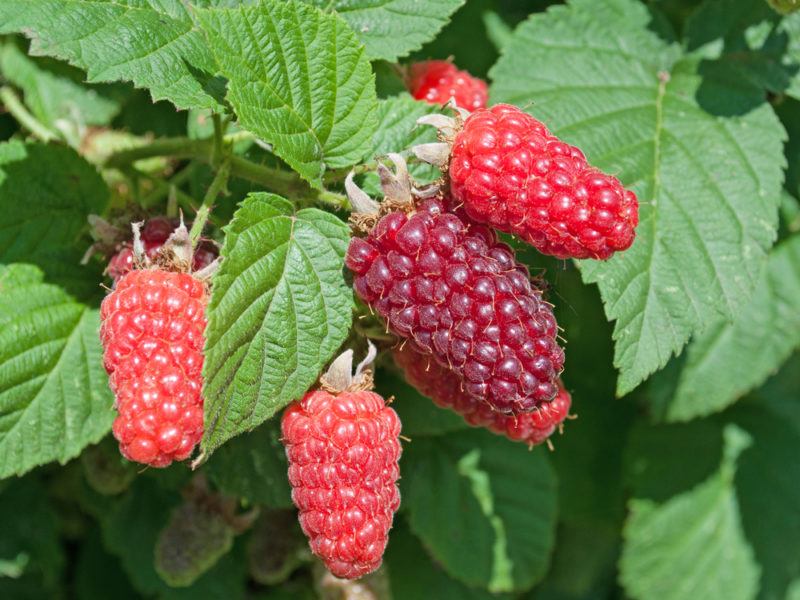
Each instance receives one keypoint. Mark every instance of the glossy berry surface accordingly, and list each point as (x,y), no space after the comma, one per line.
(456,293)
(343,453)
(152,334)
(154,234)
(508,171)
(436,81)
(443,387)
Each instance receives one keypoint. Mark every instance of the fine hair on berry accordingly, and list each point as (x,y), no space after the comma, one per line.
(455,293)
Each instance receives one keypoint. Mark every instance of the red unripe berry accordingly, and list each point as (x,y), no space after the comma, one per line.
(459,295)
(445,389)
(436,81)
(511,173)
(152,331)
(343,452)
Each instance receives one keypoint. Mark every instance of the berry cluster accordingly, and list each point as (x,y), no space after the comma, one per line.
(154,234)
(457,294)
(437,81)
(444,388)
(152,331)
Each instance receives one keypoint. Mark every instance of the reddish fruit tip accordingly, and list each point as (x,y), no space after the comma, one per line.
(436,81)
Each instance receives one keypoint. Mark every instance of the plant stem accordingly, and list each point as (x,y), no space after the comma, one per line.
(14,106)
(276,180)
(201,216)
(219,133)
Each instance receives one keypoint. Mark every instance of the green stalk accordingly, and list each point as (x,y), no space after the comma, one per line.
(217,186)
(17,110)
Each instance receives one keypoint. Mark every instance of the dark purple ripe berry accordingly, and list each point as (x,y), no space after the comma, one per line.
(459,295)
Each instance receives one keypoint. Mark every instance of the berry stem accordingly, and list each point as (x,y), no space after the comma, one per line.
(279,181)
(17,109)
(217,186)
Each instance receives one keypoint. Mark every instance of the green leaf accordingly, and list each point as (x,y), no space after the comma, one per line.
(152,43)
(54,395)
(397,131)
(253,467)
(98,574)
(391,29)
(584,562)
(279,309)
(692,546)
(192,542)
(46,195)
(54,97)
(730,358)
(475,490)
(297,78)
(708,177)
(30,548)
(745,40)
(412,573)
(671,462)
(766,483)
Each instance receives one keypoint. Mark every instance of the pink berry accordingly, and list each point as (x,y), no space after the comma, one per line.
(436,81)
(509,172)
(343,452)
(152,331)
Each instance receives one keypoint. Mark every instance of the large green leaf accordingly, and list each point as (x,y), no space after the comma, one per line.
(412,573)
(46,194)
(152,43)
(391,29)
(483,506)
(297,78)
(692,546)
(674,465)
(53,97)
(54,395)
(708,177)
(730,358)
(279,309)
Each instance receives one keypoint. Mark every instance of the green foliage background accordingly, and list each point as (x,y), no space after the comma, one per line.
(679,479)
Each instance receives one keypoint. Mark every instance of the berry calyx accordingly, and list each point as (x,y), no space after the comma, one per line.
(343,449)
(152,332)
(445,389)
(437,81)
(509,172)
(457,294)
(154,234)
